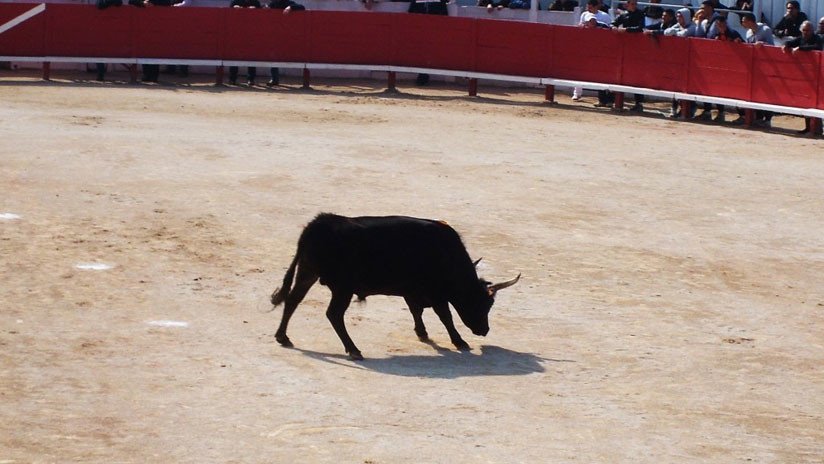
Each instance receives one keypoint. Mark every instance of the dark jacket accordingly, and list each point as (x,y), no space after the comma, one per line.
(789,27)
(815,43)
(283,4)
(632,21)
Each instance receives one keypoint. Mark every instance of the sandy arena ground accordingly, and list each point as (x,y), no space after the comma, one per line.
(671,308)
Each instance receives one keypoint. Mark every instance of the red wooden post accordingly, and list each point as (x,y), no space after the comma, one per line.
(390,78)
(815,126)
(473,87)
(749,117)
(619,101)
(46,70)
(306,78)
(549,93)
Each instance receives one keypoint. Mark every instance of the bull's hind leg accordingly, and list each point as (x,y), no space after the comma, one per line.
(442,310)
(303,282)
(417,316)
(337,308)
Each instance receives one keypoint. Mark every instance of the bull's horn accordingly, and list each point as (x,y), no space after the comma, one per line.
(493,289)
(475,263)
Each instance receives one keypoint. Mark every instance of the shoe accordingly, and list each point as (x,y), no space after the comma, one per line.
(575,98)
(603,105)
(765,123)
(637,108)
(272,83)
(232,81)
(250,82)
(719,117)
(705,116)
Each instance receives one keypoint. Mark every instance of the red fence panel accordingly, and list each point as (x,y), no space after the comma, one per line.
(266,35)
(720,69)
(821,82)
(655,62)
(432,41)
(515,48)
(168,32)
(26,38)
(586,54)
(786,79)
(351,37)
(83,30)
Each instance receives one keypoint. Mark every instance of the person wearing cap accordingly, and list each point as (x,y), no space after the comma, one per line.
(790,25)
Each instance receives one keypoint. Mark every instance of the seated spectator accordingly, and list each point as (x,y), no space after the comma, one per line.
(806,41)
(683,27)
(820,30)
(790,25)
(563,5)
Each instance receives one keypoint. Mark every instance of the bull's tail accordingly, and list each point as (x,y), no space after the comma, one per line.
(282,293)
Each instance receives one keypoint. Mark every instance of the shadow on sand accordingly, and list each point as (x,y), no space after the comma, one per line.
(447,364)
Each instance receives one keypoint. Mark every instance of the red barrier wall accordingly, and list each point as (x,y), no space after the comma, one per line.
(697,66)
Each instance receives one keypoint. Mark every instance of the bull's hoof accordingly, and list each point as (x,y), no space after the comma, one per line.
(284,341)
(424,337)
(462,345)
(356,356)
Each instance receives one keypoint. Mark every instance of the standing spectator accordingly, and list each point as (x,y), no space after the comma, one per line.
(806,42)
(705,20)
(684,27)
(633,20)
(667,21)
(251,71)
(721,32)
(102,5)
(433,7)
(152,71)
(600,17)
(287,6)
(790,25)
(743,5)
(757,34)
(653,14)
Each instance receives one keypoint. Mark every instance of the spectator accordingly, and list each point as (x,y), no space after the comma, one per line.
(790,25)
(493,5)
(152,71)
(251,71)
(684,27)
(101,67)
(757,33)
(633,20)
(653,14)
(743,5)
(722,32)
(181,69)
(288,6)
(806,42)
(820,31)
(667,20)
(602,19)
(705,20)
(437,7)
(563,5)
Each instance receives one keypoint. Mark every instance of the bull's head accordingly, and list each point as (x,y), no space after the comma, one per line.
(475,312)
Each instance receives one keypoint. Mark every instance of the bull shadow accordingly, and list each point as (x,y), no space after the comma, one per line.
(446,364)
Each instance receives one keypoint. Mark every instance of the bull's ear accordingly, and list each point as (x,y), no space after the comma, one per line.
(493,289)
(475,263)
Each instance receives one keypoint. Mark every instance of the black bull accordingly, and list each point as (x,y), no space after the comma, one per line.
(421,260)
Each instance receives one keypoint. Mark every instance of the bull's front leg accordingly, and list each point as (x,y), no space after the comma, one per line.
(337,308)
(442,310)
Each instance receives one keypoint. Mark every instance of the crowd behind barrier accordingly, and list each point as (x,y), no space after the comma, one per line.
(752,77)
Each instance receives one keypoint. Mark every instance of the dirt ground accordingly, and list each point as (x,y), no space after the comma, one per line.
(671,308)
